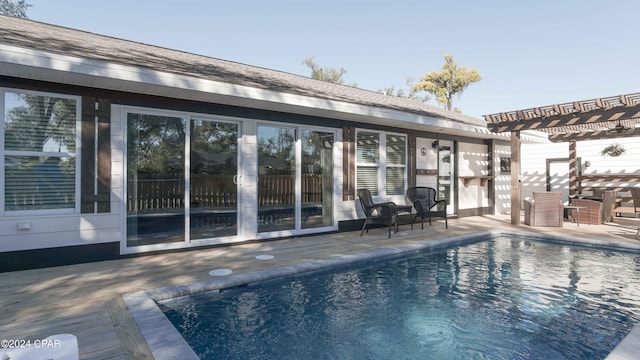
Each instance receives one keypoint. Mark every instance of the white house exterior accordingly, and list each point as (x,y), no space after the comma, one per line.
(112,147)
(545,166)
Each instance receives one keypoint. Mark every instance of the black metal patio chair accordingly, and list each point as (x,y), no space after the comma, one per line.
(427,205)
(384,214)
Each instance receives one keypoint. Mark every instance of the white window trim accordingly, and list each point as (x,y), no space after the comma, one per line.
(403,166)
(246,162)
(298,230)
(377,165)
(76,154)
(382,161)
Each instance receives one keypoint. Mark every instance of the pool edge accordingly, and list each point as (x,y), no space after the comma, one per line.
(166,342)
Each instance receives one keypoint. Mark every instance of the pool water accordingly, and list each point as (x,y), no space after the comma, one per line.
(497,299)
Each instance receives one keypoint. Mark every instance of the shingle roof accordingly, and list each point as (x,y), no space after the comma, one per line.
(82,44)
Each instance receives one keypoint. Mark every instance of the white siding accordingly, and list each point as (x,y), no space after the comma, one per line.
(627,163)
(57,231)
(473,160)
(534,165)
(428,161)
(48,231)
(502,181)
(535,156)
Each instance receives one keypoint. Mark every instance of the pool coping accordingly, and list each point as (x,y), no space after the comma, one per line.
(166,342)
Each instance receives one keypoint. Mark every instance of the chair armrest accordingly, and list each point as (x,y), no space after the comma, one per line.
(528,205)
(418,206)
(387,203)
(440,204)
(387,209)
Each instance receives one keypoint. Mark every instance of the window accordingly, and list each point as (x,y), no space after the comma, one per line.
(367,161)
(40,136)
(505,165)
(396,164)
(381,161)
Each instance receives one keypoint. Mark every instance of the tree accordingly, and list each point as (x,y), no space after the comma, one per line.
(16,9)
(325,74)
(452,80)
(402,92)
(39,121)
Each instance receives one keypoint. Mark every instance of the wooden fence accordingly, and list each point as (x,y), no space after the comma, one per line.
(214,191)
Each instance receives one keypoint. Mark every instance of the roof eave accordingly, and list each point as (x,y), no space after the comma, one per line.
(45,66)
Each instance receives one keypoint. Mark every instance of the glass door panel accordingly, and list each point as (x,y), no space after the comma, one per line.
(317,179)
(445,168)
(213,179)
(155,179)
(276,178)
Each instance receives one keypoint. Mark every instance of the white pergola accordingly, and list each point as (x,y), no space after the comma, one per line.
(601,118)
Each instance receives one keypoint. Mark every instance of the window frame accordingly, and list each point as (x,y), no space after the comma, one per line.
(382,164)
(76,154)
(402,166)
(369,165)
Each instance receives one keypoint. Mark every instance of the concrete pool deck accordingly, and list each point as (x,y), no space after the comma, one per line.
(86,299)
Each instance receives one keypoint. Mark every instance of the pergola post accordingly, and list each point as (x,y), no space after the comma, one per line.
(573,161)
(602,118)
(516,193)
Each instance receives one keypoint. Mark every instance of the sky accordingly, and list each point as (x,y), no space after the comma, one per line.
(529,53)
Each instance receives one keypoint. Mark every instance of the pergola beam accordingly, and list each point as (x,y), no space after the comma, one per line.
(590,117)
(568,122)
(590,135)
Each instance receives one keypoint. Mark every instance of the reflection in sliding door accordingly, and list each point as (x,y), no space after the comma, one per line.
(155,179)
(317,179)
(276,178)
(213,187)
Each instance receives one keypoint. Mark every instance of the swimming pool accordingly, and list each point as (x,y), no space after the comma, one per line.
(499,298)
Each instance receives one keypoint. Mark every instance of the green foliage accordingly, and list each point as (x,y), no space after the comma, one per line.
(214,147)
(16,9)
(451,80)
(40,121)
(155,145)
(276,150)
(402,92)
(325,74)
(614,149)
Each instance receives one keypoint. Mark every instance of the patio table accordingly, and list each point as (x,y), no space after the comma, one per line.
(405,209)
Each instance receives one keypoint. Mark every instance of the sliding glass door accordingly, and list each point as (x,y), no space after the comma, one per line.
(181,174)
(182,180)
(155,179)
(276,178)
(213,179)
(317,179)
(295,178)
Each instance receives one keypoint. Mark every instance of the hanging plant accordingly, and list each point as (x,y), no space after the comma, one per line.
(613,150)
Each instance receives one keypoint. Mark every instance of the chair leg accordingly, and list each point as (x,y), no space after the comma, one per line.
(363,227)
(446,223)
(414,220)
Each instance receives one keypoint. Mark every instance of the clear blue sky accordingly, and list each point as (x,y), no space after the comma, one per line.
(529,53)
